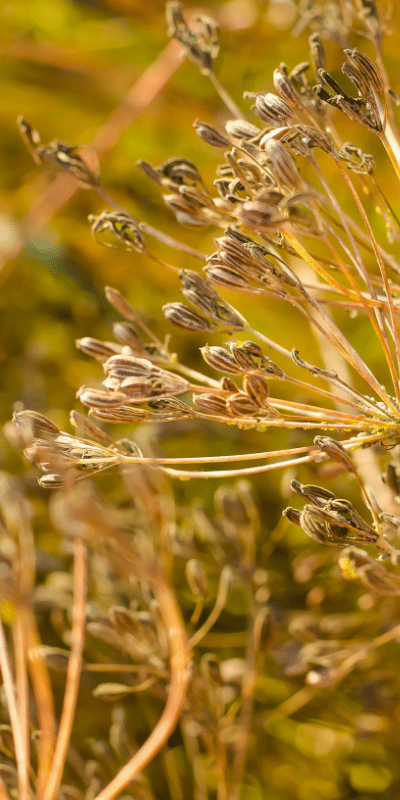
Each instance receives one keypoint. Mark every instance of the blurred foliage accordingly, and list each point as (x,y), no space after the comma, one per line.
(66,66)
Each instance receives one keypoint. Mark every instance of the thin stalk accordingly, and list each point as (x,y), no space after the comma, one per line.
(21,754)
(178,645)
(245,719)
(73,671)
(22,698)
(347,350)
(225,96)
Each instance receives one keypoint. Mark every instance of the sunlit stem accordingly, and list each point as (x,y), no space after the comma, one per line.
(347,350)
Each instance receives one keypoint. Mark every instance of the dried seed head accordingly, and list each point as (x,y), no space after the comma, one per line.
(255,385)
(210,403)
(121,225)
(317,52)
(128,334)
(201,44)
(210,135)
(220,359)
(81,162)
(241,405)
(185,317)
(285,88)
(367,68)
(272,109)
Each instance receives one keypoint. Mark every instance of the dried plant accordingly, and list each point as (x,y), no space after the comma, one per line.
(286,235)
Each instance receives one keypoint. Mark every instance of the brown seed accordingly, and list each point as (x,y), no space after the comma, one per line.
(185,317)
(210,135)
(241,405)
(367,68)
(285,88)
(99,350)
(220,359)
(272,109)
(210,403)
(256,386)
(98,398)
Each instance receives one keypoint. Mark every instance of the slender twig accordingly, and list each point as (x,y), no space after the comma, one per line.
(74,669)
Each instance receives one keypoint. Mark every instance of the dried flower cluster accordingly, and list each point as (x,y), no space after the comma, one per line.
(286,236)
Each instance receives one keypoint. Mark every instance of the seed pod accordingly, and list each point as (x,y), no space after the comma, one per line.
(55,481)
(220,359)
(263,630)
(241,405)
(53,657)
(121,366)
(101,351)
(228,385)
(292,514)
(317,52)
(36,423)
(255,385)
(210,135)
(367,68)
(196,577)
(87,427)
(128,334)
(181,171)
(242,357)
(335,450)
(98,398)
(317,495)
(282,162)
(241,129)
(121,415)
(185,317)
(272,109)
(225,276)
(259,216)
(285,88)
(210,403)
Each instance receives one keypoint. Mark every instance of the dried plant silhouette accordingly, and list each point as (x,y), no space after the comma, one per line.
(288,232)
